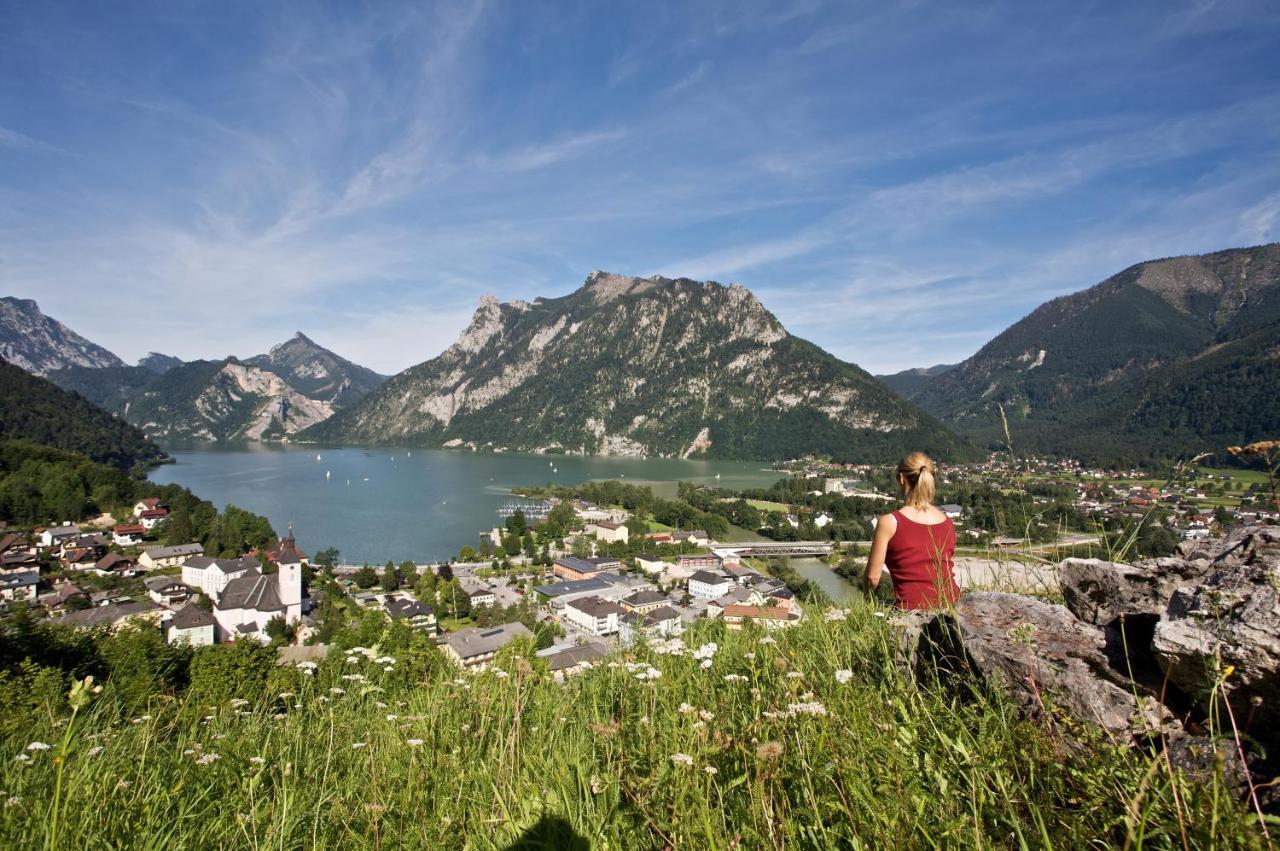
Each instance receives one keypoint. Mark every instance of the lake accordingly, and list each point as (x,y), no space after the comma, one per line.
(375,504)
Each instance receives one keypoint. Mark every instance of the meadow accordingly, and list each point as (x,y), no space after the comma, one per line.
(808,738)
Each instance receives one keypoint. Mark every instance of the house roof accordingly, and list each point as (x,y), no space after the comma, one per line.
(574,656)
(109,614)
(709,578)
(174,551)
(596,607)
(572,586)
(254,591)
(609,524)
(114,561)
(191,616)
(63,531)
(580,565)
(472,642)
(603,561)
(128,529)
(24,579)
(774,613)
(406,608)
(645,597)
(225,565)
(653,618)
(154,513)
(162,583)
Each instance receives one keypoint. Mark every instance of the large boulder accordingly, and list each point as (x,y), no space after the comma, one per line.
(1042,656)
(1099,592)
(1231,619)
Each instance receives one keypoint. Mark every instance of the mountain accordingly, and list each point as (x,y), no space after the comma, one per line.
(41,345)
(318,373)
(1167,357)
(158,363)
(223,400)
(910,381)
(640,366)
(36,410)
(109,387)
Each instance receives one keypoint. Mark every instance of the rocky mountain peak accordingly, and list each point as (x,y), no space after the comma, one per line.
(42,345)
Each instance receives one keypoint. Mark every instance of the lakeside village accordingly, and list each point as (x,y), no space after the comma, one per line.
(583,570)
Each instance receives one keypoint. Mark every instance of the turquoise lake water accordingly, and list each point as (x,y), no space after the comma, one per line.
(395,503)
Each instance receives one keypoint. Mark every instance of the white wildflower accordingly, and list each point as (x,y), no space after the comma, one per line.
(415,743)
(337,690)
(238,702)
(706,651)
(12,801)
(94,751)
(837,614)
(257,760)
(359,744)
(844,676)
(37,746)
(768,639)
(124,784)
(687,709)
(682,759)
(706,663)
(794,675)
(354,678)
(385,660)
(392,717)
(705,715)
(285,695)
(711,769)
(735,678)
(22,757)
(501,674)
(750,657)
(208,759)
(814,708)
(388,669)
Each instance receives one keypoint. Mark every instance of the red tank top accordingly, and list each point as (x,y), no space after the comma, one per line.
(920,562)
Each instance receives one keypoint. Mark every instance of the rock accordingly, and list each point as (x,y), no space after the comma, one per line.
(1042,656)
(1098,591)
(1230,619)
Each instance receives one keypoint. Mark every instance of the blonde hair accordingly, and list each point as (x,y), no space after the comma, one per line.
(917,469)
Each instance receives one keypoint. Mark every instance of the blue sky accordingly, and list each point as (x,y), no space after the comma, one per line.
(897,182)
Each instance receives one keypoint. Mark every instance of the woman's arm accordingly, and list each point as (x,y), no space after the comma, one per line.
(885,527)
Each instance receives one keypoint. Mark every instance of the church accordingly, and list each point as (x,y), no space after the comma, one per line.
(248,602)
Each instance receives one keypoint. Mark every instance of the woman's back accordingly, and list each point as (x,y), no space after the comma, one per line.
(920,559)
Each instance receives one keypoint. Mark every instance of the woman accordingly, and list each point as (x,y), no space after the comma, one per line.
(916,543)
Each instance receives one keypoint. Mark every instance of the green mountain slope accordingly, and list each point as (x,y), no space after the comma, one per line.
(632,366)
(910,382)
(110,387)
(1167,357)
(37,410)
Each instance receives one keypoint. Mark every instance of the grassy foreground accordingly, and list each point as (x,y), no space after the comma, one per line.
(815,741)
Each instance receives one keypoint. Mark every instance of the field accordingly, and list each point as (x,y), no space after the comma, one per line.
(814,739)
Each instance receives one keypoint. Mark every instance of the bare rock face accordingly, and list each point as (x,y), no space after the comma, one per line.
(1041,655)
(1098,591)
(1230,619)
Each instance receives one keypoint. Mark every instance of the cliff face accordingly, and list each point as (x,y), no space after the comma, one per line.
(318,373)
(639,366)
(41,345)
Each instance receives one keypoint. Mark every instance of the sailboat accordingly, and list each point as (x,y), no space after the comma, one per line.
(327,474)
(317,457)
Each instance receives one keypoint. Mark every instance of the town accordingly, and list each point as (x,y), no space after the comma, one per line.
(581,577)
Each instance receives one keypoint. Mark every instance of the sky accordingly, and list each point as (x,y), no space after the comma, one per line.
(897,182)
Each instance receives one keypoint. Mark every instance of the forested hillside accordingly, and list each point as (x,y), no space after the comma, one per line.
(34,409)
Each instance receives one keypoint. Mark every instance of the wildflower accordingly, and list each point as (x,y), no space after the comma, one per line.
(698,725)
(844,676)
(735,678)
(706,651)
(12,801)
(836,614)
(285,695)
(323,699)
(415,743)
(353,678)
(501,674)
(750,657)
(794,675)
(380,705)
(208,759)
(768,639)
(238,702)
(706,663)
(337,690)
(878,614)
(306,666)
(392,717)
(597,785)
(123,784)
(686,709)
(769,751)
(351,660)
(22,757)
(711,769)
(359,744)
(37,746)
(682,759)
(279,716)
(705,715)
(94,751)
(813,708)
(257,760)
(388,669)
(188,752)
(385,660)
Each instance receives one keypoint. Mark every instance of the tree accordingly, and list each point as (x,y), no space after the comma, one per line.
(280,632)
(445,572)
(466,554)
(389,580)
(365,577)
(559,520)
(517,524)
(221,672)
(581,546)
(530,548)
(327,558)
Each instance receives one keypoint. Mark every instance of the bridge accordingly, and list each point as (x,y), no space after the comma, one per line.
(765,549)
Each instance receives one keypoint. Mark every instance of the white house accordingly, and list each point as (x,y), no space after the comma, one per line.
(211,575)
(651,565)
(154,558)
(706,585)
(594,615)
(193,625)
(662,622)
(822,520)
(247,603)
(480,595)
(54,536)
(152,518)
(470,647)
(19,585)
(609,532)
(952,510)
(127,534)
(151,503)
(167,591)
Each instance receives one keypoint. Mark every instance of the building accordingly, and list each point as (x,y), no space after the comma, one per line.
(571,589)
(822,520)
(19,585)
(153,517)
(594,615)
(572,568)
(697,537)
(212,575)
(167,591)
(63,593)
(567,659)
(113,615)
(127,534)
(706,585)
(192,625)
(643,601)
(662,622)
(151,503)
(651,565)
(154,558)
(952,510)
(247,603)
(53,537)
(114,563)
(736,615)
(419,616)
(606,531)
(472,646)
(480,595)
(699,562)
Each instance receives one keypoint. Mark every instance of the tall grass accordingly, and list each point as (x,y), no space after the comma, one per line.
(816,741)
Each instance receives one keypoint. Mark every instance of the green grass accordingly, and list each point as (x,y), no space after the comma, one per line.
(871,763)
(766,505)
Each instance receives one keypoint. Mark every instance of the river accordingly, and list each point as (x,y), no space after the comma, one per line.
(375,504)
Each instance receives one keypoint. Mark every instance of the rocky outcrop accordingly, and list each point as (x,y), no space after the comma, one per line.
(41,345)
(1151,654)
